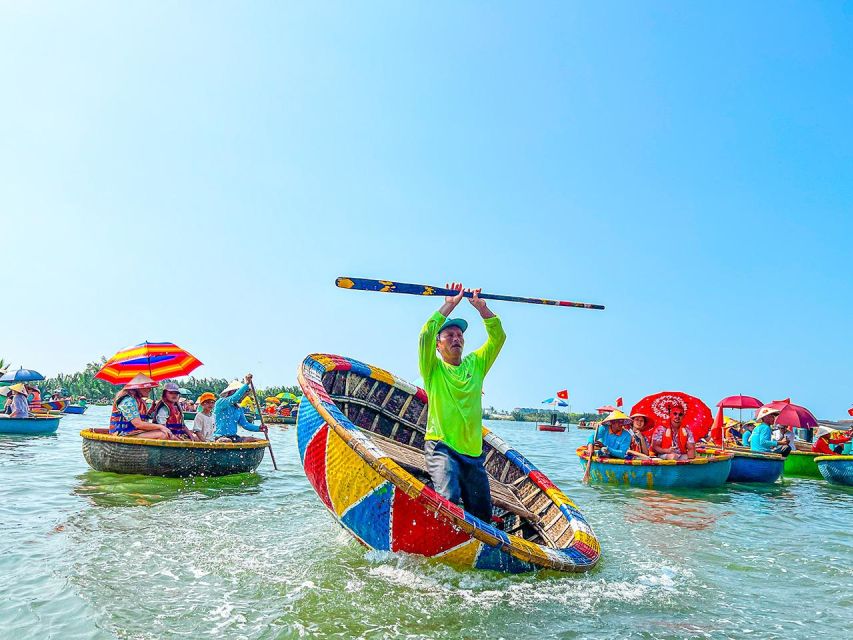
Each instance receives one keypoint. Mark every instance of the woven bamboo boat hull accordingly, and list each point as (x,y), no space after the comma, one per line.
(75,409)
(30,426)
(707,470)
(836,469)
(802,464)
(168,458)
(360,432)
(756,467)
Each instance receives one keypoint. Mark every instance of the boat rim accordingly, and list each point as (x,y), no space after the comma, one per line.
(46,417)
(835,458)
(89,434)
(707,458)
(748,453)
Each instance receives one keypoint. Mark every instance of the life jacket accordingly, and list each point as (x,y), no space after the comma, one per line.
(666,440)
(175,419)
(35,404)
(120,425)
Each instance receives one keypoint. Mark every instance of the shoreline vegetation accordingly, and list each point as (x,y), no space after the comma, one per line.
(84,383)
(537,415)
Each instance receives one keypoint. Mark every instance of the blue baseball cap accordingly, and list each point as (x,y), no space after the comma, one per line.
(454,322)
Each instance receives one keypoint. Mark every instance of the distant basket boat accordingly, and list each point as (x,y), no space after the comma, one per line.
(169,458)
(706,470)
(752,466)
(836,469)
(551,427)
(360,433)
(76,409)
(37,425)
(280,419)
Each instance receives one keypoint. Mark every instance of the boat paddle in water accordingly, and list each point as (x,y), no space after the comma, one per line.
(169,458)
(360,433)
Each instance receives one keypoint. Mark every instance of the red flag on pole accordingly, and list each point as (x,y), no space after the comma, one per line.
(619,402)
(563,395)
(717,427)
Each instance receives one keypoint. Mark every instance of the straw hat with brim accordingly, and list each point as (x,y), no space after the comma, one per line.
(649,423)
(140,381)
(233,386)
(617,416)
(18,388)
(204,397)
(171,386)
(766,411)
(454,322)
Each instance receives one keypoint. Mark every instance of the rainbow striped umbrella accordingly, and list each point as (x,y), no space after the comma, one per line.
(157,360)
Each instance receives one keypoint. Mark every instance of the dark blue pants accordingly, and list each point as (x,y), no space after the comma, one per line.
(458,477)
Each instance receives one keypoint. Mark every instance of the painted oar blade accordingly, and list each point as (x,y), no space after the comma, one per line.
(389,286)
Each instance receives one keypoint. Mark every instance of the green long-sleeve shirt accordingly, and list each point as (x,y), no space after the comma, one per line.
(456,393)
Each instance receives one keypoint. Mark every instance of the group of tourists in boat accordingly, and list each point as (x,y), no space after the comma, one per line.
(636,436)
(217,419)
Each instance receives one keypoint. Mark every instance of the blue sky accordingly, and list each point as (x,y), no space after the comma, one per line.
(201,173)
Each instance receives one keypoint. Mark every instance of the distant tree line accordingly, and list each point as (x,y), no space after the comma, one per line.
(84,383)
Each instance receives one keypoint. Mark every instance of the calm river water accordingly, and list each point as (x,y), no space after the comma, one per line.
(95,555)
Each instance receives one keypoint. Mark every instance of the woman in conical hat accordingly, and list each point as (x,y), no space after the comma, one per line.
(130,411)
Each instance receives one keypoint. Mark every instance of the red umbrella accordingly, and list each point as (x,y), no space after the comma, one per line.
(792,415)
(157,360)
(697,415)
(606,409)
(740,402)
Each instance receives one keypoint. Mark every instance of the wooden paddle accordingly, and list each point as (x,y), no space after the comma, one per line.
(261,418)
(386,286)
(585,479)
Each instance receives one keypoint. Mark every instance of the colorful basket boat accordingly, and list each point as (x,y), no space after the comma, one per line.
(360,432)
(169,458)
(751,466)
(706,470)
(37,425)
(76,409)
(836,469)
(802,464)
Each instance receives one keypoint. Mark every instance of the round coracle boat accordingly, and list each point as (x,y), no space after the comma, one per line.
(169,458)
(360,432)
(35,425)
(705,470)
(802,464)
(752,466)
(76,409)
(836,469)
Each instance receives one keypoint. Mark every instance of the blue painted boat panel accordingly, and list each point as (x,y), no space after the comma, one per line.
(31,426)
(749,469)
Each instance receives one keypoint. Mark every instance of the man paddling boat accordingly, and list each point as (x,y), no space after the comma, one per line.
(228,413)
(454,386)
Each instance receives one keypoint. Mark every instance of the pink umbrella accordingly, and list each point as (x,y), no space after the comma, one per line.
(606,409)
(740,402)
(792,415)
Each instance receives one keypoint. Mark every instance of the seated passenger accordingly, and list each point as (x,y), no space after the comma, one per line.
(785,441)
(20,405)
(762,437)
(641,423)
(130,411)
(203,423)
(167,412)
(832,443)
(748,428)
(674,442)
(611,438)
(228,414)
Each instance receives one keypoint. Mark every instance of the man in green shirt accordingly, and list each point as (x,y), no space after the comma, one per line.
(454,386)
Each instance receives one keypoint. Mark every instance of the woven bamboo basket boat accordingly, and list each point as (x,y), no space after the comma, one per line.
(37,425)
(169,458)
(751,466)
(706,470)
(802,464)
(360,432)
(836,469)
